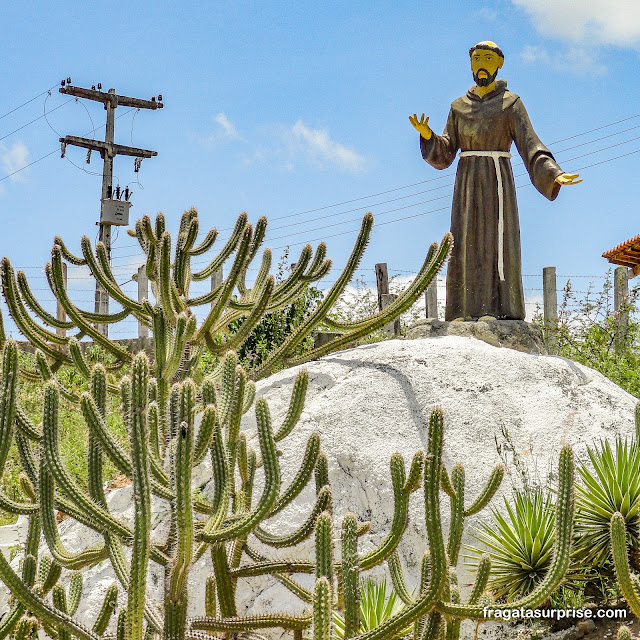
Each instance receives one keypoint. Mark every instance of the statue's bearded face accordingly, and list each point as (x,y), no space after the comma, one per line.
(485,65)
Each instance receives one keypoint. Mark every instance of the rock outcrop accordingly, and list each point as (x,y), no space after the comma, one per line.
(513,334)
(500,405)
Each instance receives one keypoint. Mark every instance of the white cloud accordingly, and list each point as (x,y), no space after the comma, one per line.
(535,54)
(289,146)
(587,22)
(488,14)
(575,59)
(228,128)
(533,306)
(317,145)
(225,131)
(14,158)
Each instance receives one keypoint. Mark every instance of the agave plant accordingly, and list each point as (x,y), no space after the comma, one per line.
(612,485)
(376,606)
(520,544)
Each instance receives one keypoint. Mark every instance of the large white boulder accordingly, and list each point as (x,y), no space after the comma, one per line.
(369,402)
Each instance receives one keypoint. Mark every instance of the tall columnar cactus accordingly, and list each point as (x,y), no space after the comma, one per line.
(436,610)
(179,341)
(621,562)
(176,417)
(159,401)
(224,524)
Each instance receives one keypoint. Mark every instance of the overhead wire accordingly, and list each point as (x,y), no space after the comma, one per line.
(423,213)
(446,175)
(519,175)
(24,104)
(292,244)
(44,115)
(56,150)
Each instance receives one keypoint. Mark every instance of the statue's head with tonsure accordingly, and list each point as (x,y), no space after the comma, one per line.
(486,59)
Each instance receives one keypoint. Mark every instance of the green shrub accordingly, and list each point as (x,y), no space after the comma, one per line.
(612,485)
(592,333)
(520,546)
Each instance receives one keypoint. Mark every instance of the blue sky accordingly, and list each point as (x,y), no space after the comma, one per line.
(281,108)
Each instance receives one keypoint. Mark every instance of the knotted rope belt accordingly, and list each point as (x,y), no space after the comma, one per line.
(496,155)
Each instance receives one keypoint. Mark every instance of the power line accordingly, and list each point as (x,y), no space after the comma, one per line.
(519,175)
(26,166)
(56,150)
(450,174)
(440,198)
(44,115)
(339,204)
(604,126)
(24,104)
(516,164)
(293,244)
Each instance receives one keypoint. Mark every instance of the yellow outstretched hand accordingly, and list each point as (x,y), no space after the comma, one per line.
(568,178)
(421,125)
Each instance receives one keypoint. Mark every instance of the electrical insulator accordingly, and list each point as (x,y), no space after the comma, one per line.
(99,86)
(89,156)
(153,98)
(160,97)
(63,149)
(68,80)
(118,192)
(93,87)
(136,164)
(126,193)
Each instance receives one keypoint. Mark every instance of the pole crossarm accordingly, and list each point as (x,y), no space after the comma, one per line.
(112,149)
(115,99)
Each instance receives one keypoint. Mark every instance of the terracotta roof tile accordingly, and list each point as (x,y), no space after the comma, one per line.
(626,253)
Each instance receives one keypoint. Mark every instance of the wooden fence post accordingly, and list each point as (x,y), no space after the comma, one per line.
(60,312)
(620,294)
(216,280)
(391,328)
(431,299)
(382,282)
(550,303)
(385,298)
(143,294)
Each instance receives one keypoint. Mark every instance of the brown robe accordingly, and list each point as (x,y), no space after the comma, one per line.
(490,123)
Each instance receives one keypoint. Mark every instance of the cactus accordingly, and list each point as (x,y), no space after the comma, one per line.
(159,401)
(350,573)
(621,562)
(436,610)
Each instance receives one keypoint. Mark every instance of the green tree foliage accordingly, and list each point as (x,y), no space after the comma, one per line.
(592,333)
(274,328)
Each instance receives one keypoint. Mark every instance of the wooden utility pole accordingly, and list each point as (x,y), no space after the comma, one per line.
(431,299)
(110,212)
